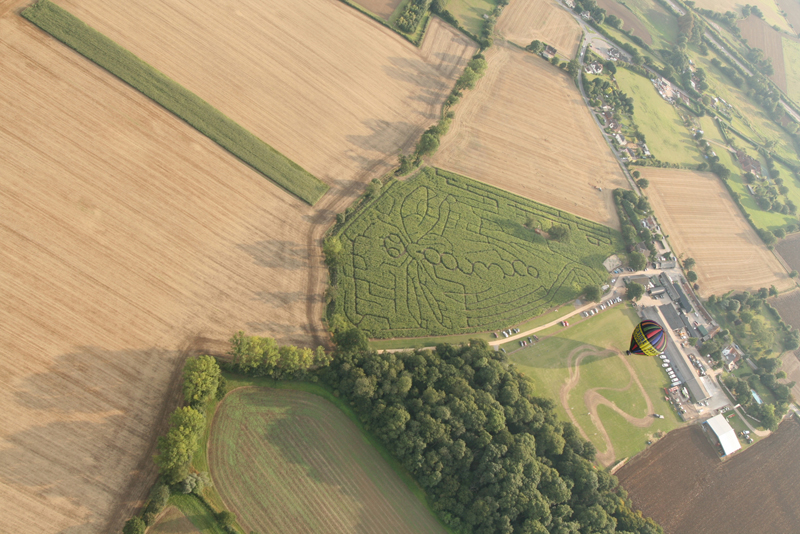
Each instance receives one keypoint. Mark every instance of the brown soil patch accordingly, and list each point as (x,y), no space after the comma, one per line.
(525,129)
(703,223)
(788,305)
(789,250)
(629,20)
(524,21)
(683,485)
(131,241)
(761,35)
(792,10)
(592,399)
(172,521)
(382,8)
(791,366)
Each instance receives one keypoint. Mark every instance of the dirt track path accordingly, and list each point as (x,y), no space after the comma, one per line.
(592,399)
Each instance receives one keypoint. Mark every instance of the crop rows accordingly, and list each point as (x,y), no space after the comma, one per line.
(195,111)
(443,254)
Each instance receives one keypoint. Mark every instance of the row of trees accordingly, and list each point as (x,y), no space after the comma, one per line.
(262,356)
(491,456)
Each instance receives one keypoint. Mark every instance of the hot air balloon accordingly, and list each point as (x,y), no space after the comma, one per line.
(648,339)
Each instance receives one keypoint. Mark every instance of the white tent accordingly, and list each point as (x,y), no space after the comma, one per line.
(725,434)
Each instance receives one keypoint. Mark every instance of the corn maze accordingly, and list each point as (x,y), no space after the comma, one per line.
(443,254)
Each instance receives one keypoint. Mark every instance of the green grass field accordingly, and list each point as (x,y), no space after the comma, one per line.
(469,13)
(176,99)
(791,61)
(711,131)
(441,254)
(604,337)
(667,137)
(661,25)
(291,461)
(196,512)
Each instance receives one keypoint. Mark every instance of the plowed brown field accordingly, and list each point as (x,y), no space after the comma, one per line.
(789,249)
(703,223)
(525,128)
(761,35)
(130,240)
(629,20)
(788,305)
(524,21)
(681,483)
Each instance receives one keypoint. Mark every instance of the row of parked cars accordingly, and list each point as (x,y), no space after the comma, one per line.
(665,363)
(509,332)
(701,369)
(601,307)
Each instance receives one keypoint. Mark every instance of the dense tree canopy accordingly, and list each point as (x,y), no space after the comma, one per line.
(201,376)
(492,457)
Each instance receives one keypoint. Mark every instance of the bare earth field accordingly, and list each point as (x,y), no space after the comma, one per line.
(681,483)
(761,35)
(131,241)
(789,249)
(791,366)
(792,10)
(289,461)
(629,20)
(788,305)
(524,21)
(525,129)
(703,223)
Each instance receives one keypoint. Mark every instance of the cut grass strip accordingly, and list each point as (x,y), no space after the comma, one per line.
(175,98)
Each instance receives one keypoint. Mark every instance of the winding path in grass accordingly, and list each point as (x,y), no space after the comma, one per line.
(592,399)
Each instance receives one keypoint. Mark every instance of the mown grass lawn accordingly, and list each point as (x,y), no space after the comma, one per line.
(608,334)
(667,137)
(470,13)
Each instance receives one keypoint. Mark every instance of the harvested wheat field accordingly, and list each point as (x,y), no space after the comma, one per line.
(761,35)
(131,240)
(524,21)
(682,484)
(703,223)
(525,129)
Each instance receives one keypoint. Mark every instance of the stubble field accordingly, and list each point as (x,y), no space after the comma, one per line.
(290,461)
(523,21)
(525,129)
(761,35)
(681,483)
(703,223)
(132,241)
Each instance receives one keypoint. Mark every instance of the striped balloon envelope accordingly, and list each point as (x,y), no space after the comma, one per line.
(648,339)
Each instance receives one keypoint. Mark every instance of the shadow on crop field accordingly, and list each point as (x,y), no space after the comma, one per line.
(284,298)
(386,137)
(95,411)
(277,254)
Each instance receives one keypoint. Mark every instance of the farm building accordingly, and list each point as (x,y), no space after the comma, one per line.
(724,433)
(641,279)
(682,298)
(748,163)
(671,315)
(549,52)
(697,389)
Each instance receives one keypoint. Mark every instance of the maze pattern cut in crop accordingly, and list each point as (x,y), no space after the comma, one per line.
(444,254)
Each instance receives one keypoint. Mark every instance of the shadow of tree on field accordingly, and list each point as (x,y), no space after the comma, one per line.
(88,427)
(277,254)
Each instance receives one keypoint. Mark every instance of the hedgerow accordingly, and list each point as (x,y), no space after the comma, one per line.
(175,98)
(443,254)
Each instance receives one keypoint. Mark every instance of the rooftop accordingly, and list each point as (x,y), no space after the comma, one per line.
(725,434)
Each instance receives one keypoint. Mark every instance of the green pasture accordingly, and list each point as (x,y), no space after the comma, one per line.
(752,121)
(607,334)
(712,133)
(175,98)
(770,10)
(791,62)
(442,254)
(661,24)
(274,457)
(667,137)
(469,13)
(197,512)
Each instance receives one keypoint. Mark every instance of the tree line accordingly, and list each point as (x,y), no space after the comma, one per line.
(491,456)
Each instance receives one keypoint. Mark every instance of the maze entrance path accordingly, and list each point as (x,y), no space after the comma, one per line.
(443,254)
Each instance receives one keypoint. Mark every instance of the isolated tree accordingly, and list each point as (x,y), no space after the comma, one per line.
(636,174)
(691,276)
(644,183)
(559,233)
(635,291)
(428,145)
(689,263)
(200,379)
(592,293)
(536,47)
(134,525)
(226,518)
(637,261)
